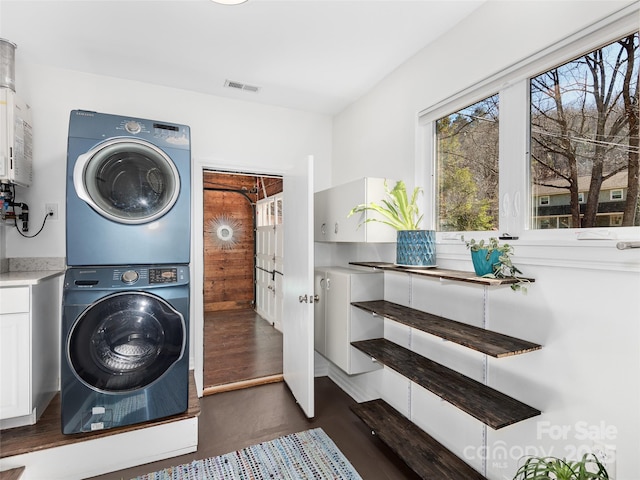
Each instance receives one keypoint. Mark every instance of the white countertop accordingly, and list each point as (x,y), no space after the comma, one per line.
(18,279)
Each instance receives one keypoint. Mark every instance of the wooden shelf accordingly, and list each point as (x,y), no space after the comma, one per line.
(421,452)
(457,275)
(479,339)
(13,474)
(478,400)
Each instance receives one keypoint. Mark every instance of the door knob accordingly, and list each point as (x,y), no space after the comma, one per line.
(303,298)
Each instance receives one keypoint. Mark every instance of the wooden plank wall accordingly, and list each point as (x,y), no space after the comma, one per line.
(229,273)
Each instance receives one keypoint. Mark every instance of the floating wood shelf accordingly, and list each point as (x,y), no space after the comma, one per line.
(478,400)
(479,339)
(13,474)
(458,275)
(421,452)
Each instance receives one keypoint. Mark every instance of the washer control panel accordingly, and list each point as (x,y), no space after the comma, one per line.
(126,277)
(163,275)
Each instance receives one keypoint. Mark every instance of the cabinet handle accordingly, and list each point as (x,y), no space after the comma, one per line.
(308,298)
(323,229)
(335,229)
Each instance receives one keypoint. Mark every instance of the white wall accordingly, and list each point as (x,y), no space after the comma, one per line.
(587,316)
(376,136)
(224,132)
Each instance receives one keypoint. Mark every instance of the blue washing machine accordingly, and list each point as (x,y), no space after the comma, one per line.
(128,191)
(124,345)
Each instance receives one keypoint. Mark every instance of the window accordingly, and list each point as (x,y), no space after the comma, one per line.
(550,146)
(467,171)
(584,135)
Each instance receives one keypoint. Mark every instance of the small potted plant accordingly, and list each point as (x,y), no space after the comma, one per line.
(552,468)
(414,247)
(493,260)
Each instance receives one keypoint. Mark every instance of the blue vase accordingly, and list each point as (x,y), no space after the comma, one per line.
(481,264)
(416,248)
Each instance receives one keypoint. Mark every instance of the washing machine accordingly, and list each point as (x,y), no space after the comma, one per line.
(124,345)
(128,191)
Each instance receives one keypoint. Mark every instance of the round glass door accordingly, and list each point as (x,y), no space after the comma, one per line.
(127,180)
(125,341)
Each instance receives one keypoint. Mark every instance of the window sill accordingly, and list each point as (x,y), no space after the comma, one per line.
(566,253)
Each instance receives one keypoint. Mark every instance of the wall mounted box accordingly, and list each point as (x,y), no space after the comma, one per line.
(332,207)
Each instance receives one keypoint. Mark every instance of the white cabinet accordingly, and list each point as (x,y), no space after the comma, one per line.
(338,323)
(15,352)
(29,350)
(332,207)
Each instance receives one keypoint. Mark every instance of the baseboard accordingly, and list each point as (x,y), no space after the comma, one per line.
(89,458)
(356,386)
(228,387)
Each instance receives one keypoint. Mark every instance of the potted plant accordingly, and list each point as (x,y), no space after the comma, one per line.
(493,260)
(552,468)
(414,247)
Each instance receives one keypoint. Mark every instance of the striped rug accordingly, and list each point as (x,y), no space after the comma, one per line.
(305,455)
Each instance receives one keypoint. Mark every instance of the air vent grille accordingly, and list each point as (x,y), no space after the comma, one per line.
(241,86)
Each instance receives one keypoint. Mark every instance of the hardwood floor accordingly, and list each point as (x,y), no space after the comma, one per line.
(240,349)
(232,420)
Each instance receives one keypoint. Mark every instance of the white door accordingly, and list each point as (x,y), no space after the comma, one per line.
(297,318)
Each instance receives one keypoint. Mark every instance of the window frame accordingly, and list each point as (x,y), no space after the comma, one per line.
(617,194)
(512,86)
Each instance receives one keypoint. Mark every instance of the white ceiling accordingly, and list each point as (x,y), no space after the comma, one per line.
(315,55)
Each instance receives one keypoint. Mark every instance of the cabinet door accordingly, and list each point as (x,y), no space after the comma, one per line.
(375,192)
(337,310)
(319,321)
(343,228)
(320,215)
(15,365)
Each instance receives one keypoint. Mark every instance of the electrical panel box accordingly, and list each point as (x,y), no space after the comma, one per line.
(16,140)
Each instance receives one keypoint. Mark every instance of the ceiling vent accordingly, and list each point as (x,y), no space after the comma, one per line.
(241,86)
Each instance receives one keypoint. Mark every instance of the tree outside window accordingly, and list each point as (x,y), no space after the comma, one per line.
(467,168)
(584,139)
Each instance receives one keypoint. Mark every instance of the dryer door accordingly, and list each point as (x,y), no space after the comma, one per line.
(125,341)
(127,180)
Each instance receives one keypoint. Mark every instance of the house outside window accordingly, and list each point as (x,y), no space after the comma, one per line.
(616,195)
(541,190)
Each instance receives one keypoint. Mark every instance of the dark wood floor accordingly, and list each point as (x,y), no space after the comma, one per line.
(240,349)
(236,419)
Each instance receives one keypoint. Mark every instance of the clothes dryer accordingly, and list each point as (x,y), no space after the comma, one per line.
(124,345)
(128,191)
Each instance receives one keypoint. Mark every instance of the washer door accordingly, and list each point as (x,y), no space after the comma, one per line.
(127,180)
(125,341)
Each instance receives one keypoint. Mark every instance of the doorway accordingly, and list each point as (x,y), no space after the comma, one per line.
(242,347)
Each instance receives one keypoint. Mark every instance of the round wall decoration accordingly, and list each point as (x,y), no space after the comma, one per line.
(225,231)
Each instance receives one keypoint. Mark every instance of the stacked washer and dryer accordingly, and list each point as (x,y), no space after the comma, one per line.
(125,312)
